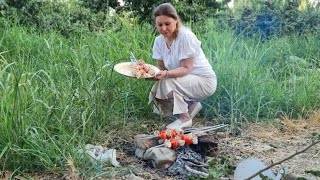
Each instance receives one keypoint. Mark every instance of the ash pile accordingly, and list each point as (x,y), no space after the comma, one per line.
(187,162)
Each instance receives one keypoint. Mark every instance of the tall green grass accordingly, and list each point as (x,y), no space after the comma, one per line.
(57,93)
(261,80)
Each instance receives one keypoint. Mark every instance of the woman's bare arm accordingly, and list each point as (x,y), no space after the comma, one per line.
(161,65)
(185,68)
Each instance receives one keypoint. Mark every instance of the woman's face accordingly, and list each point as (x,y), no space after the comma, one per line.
(166,25)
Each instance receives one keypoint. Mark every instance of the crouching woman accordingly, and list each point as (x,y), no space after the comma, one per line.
(185,77)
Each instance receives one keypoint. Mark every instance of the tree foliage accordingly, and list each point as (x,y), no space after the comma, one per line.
(247,17)
(188,10)
(281,18)
(66,17)
(99,5)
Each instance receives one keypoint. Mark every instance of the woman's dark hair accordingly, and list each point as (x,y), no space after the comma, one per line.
(166,9)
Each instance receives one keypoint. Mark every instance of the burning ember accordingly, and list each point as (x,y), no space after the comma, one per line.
(172,138)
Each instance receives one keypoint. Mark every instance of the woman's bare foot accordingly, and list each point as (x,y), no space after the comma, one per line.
(192,105)
(194,108)
(184,117)
(183,121)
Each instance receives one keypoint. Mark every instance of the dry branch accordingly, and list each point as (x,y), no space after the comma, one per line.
(196,171)
(196,162)
(285,159)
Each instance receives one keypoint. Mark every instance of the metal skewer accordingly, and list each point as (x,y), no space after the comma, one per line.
(206,129)
(132,58)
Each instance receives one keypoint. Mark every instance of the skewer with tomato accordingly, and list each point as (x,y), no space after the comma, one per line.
(173,138)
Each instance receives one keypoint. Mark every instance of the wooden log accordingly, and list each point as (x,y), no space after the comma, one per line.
(207,145)
(145,141)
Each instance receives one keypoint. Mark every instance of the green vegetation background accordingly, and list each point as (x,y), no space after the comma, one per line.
(59,91)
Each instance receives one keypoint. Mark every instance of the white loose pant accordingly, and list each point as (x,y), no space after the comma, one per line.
(170,96)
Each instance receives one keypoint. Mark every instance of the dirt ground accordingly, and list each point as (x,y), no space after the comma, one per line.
(268,142)
(274,142)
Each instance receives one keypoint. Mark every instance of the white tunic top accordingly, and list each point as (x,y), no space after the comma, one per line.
(186,45)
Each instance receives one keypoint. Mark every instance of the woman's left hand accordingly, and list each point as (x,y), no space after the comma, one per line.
(161,74)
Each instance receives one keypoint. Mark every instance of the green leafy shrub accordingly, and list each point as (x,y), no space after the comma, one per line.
(69,17)
(286,18)
(99,5)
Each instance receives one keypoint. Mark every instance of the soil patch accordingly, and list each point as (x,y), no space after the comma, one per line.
(268,142)
(275,141)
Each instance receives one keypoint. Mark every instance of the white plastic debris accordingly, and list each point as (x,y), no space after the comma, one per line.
(248,167)
(102,154)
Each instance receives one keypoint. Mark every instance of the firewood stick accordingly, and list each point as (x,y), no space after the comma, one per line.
(196,162)
(160,145)
(149,137)
(281,161)
(204,169)
(196,171)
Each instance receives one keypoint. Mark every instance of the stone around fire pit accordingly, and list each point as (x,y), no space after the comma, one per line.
(144,142)
(161,157)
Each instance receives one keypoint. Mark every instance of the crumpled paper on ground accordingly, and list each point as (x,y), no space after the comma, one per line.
(248,167)
(102,154)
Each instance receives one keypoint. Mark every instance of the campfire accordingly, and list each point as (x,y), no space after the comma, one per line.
(178,152)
